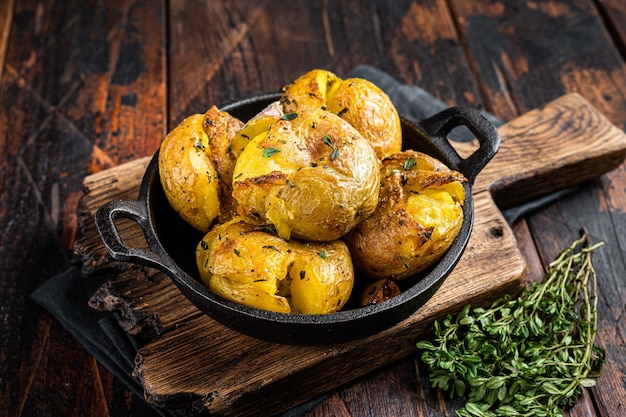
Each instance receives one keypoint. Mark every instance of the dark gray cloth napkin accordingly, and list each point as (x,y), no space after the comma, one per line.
(65,296)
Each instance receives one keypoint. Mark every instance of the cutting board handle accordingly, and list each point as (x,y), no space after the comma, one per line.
(562,144)
(441,124)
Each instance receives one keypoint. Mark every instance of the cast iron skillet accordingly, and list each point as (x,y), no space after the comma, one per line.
(172,242)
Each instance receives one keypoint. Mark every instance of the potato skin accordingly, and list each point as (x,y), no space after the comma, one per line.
(310,90)
(220,128)
(366,107)
(243,263)
(187,173)
(418,216)
(314,177)
(255,126)
(195,168)
(322,277)
(378,291)
(356,100)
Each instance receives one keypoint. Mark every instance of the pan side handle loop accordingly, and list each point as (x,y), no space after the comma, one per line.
(105,219)
(441,124)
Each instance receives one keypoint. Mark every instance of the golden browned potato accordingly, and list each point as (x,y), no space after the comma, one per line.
(378,291)
(310,90)
(255,126)
(356,100)
(419,214)
(221,128)
(322,277)
(246,264)
(195,167)
(311,175)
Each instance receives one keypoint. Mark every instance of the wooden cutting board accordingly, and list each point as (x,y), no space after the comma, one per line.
(192,361)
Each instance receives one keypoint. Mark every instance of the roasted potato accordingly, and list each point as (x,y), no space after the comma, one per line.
(255,126)
(195,167)
(246,264)
(378,291)
(419,214)
(356,100)
(311,175)
(310,90)
(322,277)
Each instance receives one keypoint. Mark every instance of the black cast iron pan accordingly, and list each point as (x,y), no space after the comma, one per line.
(172,242)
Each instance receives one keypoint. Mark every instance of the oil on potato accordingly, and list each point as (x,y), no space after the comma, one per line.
(311,175)
(419,214)
(322,168)
(356,100)
(255,126)
(246,264)
(195,167)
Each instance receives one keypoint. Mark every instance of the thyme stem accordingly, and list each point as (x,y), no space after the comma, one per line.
(528,356)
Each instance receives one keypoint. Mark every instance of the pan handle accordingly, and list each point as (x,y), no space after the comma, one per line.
(134,210)
(442,123)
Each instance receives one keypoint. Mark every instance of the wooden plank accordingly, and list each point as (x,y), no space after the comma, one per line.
(218,49)
(135,292)
(6,16)
(614,15)
(509,44)
(420,45)
(333,35)
(89,246)
(72,71)
(244,372)
(519,170)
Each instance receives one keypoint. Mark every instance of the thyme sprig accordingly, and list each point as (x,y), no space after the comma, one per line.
(527,356)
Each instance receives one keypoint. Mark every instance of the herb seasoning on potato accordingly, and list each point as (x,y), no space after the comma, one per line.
(249,265)
(195,167)
(419,214)
(356,100)
(313,177)
(275,195)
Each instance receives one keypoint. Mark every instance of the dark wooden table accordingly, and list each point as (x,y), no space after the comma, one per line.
(88,85)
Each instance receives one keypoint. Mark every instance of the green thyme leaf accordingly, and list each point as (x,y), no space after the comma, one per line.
(269,152)
(328,141)
(530,355)
(289,116)
(268,229)
(409,163)
(236,251)
(322,254)
(334,154)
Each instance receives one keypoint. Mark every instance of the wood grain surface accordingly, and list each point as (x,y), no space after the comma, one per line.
(88,85)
